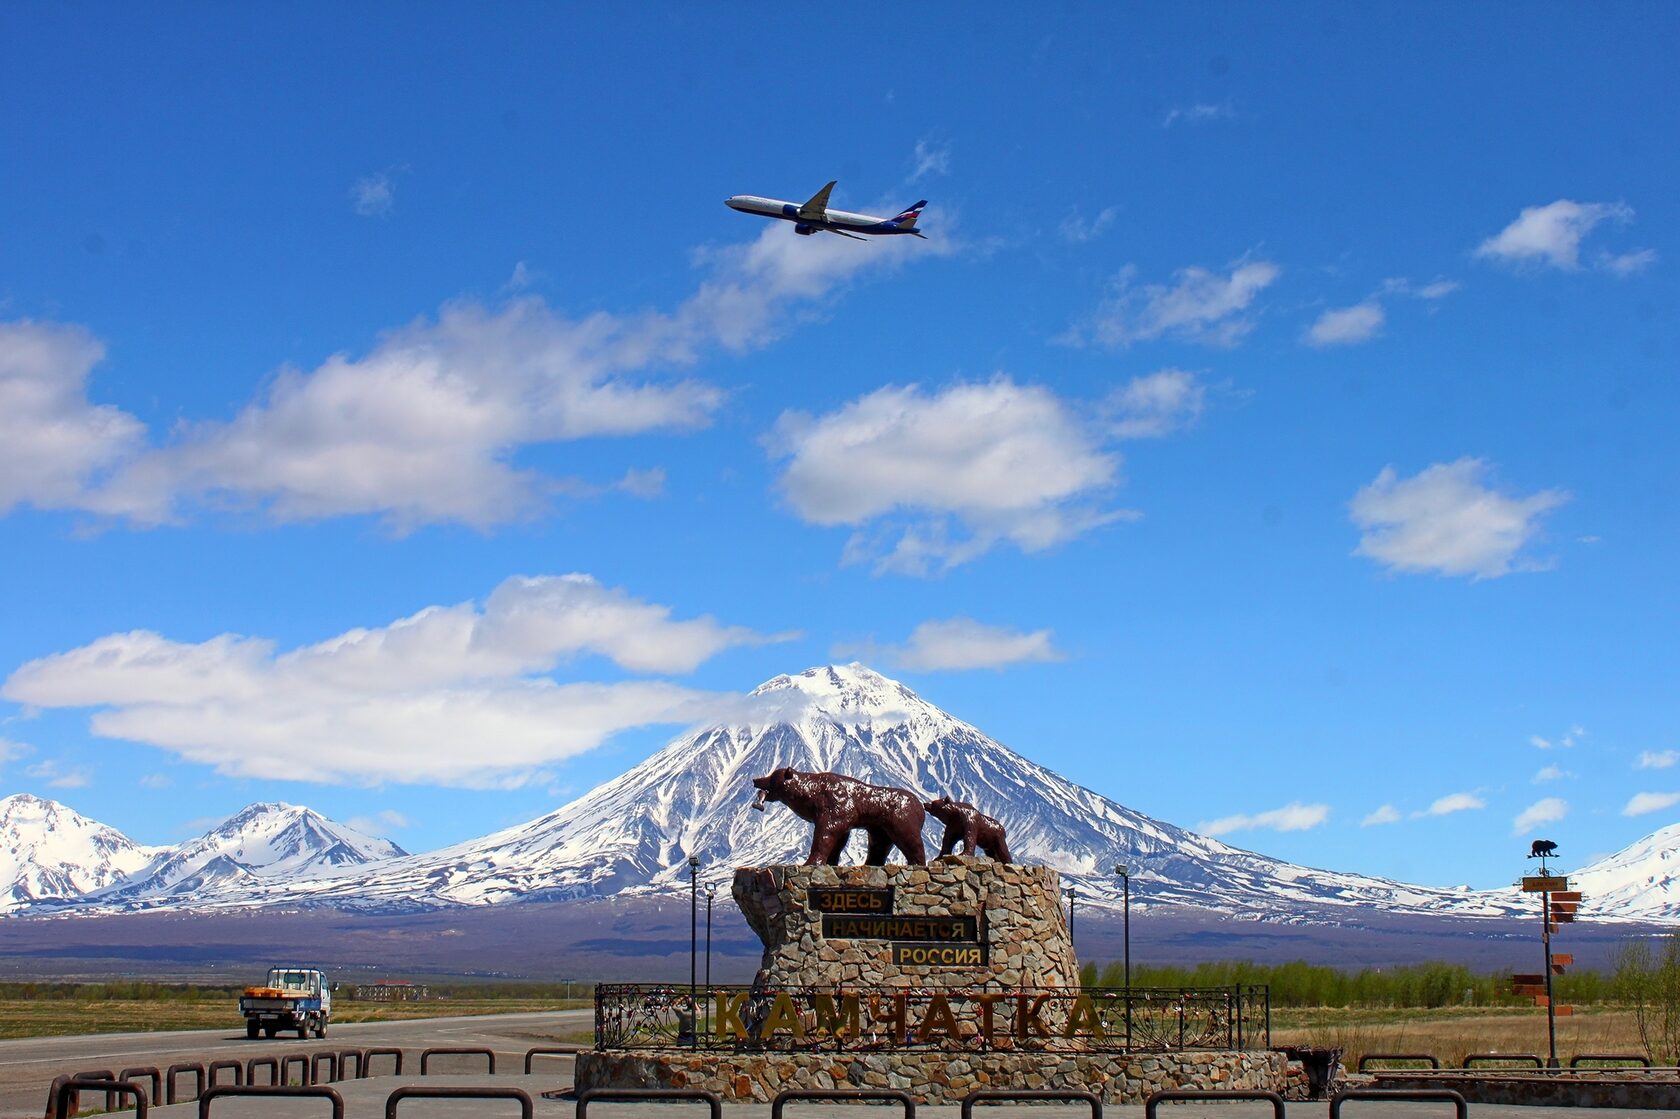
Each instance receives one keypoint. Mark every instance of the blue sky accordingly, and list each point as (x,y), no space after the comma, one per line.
(1274,433)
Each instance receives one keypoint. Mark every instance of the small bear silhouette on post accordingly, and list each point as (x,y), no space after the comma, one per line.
(977,831)
(837,805)
(1542,849)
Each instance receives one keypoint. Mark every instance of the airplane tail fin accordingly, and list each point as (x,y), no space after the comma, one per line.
(907,219)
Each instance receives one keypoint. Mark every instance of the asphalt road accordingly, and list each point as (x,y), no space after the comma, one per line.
(28,1065)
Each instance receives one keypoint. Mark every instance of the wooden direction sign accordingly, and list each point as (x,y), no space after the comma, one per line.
(1524,990)
(1561,960)
(1566,895)
(1543,884)
(1562,1010)
(1528,980)
(1562,918)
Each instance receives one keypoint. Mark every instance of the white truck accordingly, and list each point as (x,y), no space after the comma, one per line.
(292,998)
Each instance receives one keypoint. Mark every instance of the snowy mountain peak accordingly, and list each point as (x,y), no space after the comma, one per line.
(1642,879)
(50,851)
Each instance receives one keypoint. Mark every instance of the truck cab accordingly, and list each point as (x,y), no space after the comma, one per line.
(291,998)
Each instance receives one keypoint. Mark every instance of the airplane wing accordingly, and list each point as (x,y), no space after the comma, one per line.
(853,236)
(817,208)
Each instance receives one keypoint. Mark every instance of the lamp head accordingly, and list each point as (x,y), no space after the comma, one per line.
(1123,870)
(694,860)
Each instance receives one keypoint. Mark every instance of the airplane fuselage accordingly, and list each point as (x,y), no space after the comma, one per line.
(842,220)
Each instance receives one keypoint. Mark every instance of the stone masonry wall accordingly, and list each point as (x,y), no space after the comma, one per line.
(933,1077)
(1018,909)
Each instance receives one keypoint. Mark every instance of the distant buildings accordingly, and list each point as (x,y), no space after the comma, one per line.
(391,990)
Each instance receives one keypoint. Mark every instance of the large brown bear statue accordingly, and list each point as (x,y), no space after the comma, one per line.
(977,831)
(837,805)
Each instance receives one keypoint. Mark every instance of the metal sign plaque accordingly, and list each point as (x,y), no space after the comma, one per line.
(829,899)
(940,955)
(1543,884)
(848,926)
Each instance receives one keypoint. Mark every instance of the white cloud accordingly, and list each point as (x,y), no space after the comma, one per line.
(155,781)
(1438,289)
(380,824)
(930,159)
(1626,264)
(1641,803)
(11,751)
(1347,326)
(1565,741)
(950,474)
(55,444)
(1387,814)
(372,196)
(1444,520)
(961,644)
(1550,773)
(1546,811)
(1291,817)
(1552,235)
(427,426)
(452,695)
(1200,113)
(1199,306)
(58,776)
(1453,802)
(1155,404)
(1076,229)
(1657,760)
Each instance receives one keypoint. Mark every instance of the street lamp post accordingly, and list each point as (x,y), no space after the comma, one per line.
(1125,873)
(1072,896)
(693,941)
(711,892)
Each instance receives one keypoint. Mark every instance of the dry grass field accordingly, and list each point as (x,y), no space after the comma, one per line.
(1450,1034)
(47,1017)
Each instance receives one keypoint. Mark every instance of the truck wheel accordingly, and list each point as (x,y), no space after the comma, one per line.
(303,1031)
(270,1031)
(251,1028)
(320,1029)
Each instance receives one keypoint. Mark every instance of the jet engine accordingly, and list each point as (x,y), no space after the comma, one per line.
(805,229)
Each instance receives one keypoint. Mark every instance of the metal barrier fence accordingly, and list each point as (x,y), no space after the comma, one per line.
(315,1062)
(369,1054)
(211,1069)
(1609,1058)
(172,1075)
(101,1075)
(67,1092)
(280,1091)
(1518,1060)
(426,1055)
(1461,1109)
(526,1105)
(345,1056)
(550,1051)
(1156,1099)
(843,1095)
(302,1062)
(1103,1019)
(149,1072)
(272,1064)
(643,1095)
(1370,1059)
(987,1095)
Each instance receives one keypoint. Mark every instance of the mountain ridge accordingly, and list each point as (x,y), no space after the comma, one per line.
(632,835)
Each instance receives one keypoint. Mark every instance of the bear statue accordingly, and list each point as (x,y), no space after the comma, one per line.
(977,831)
(837,805)
(1542,849)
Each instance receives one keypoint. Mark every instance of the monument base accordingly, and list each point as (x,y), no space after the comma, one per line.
(932,1076)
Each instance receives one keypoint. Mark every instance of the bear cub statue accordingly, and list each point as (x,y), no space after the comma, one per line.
(977,831)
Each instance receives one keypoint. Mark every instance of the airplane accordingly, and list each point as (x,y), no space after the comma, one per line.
(815,216)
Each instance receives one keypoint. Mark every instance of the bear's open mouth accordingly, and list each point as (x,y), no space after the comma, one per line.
(758,801)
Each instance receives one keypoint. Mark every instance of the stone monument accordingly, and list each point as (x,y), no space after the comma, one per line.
(938,979)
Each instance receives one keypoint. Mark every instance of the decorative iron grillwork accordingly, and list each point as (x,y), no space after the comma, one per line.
(1096,1019)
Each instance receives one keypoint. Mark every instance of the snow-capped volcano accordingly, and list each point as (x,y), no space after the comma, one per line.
(261,844)
(635,834)
(49,851)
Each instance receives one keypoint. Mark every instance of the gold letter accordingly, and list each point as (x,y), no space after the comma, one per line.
(783,1016)
(845,1022)
(729,1022)
(1083,1019)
